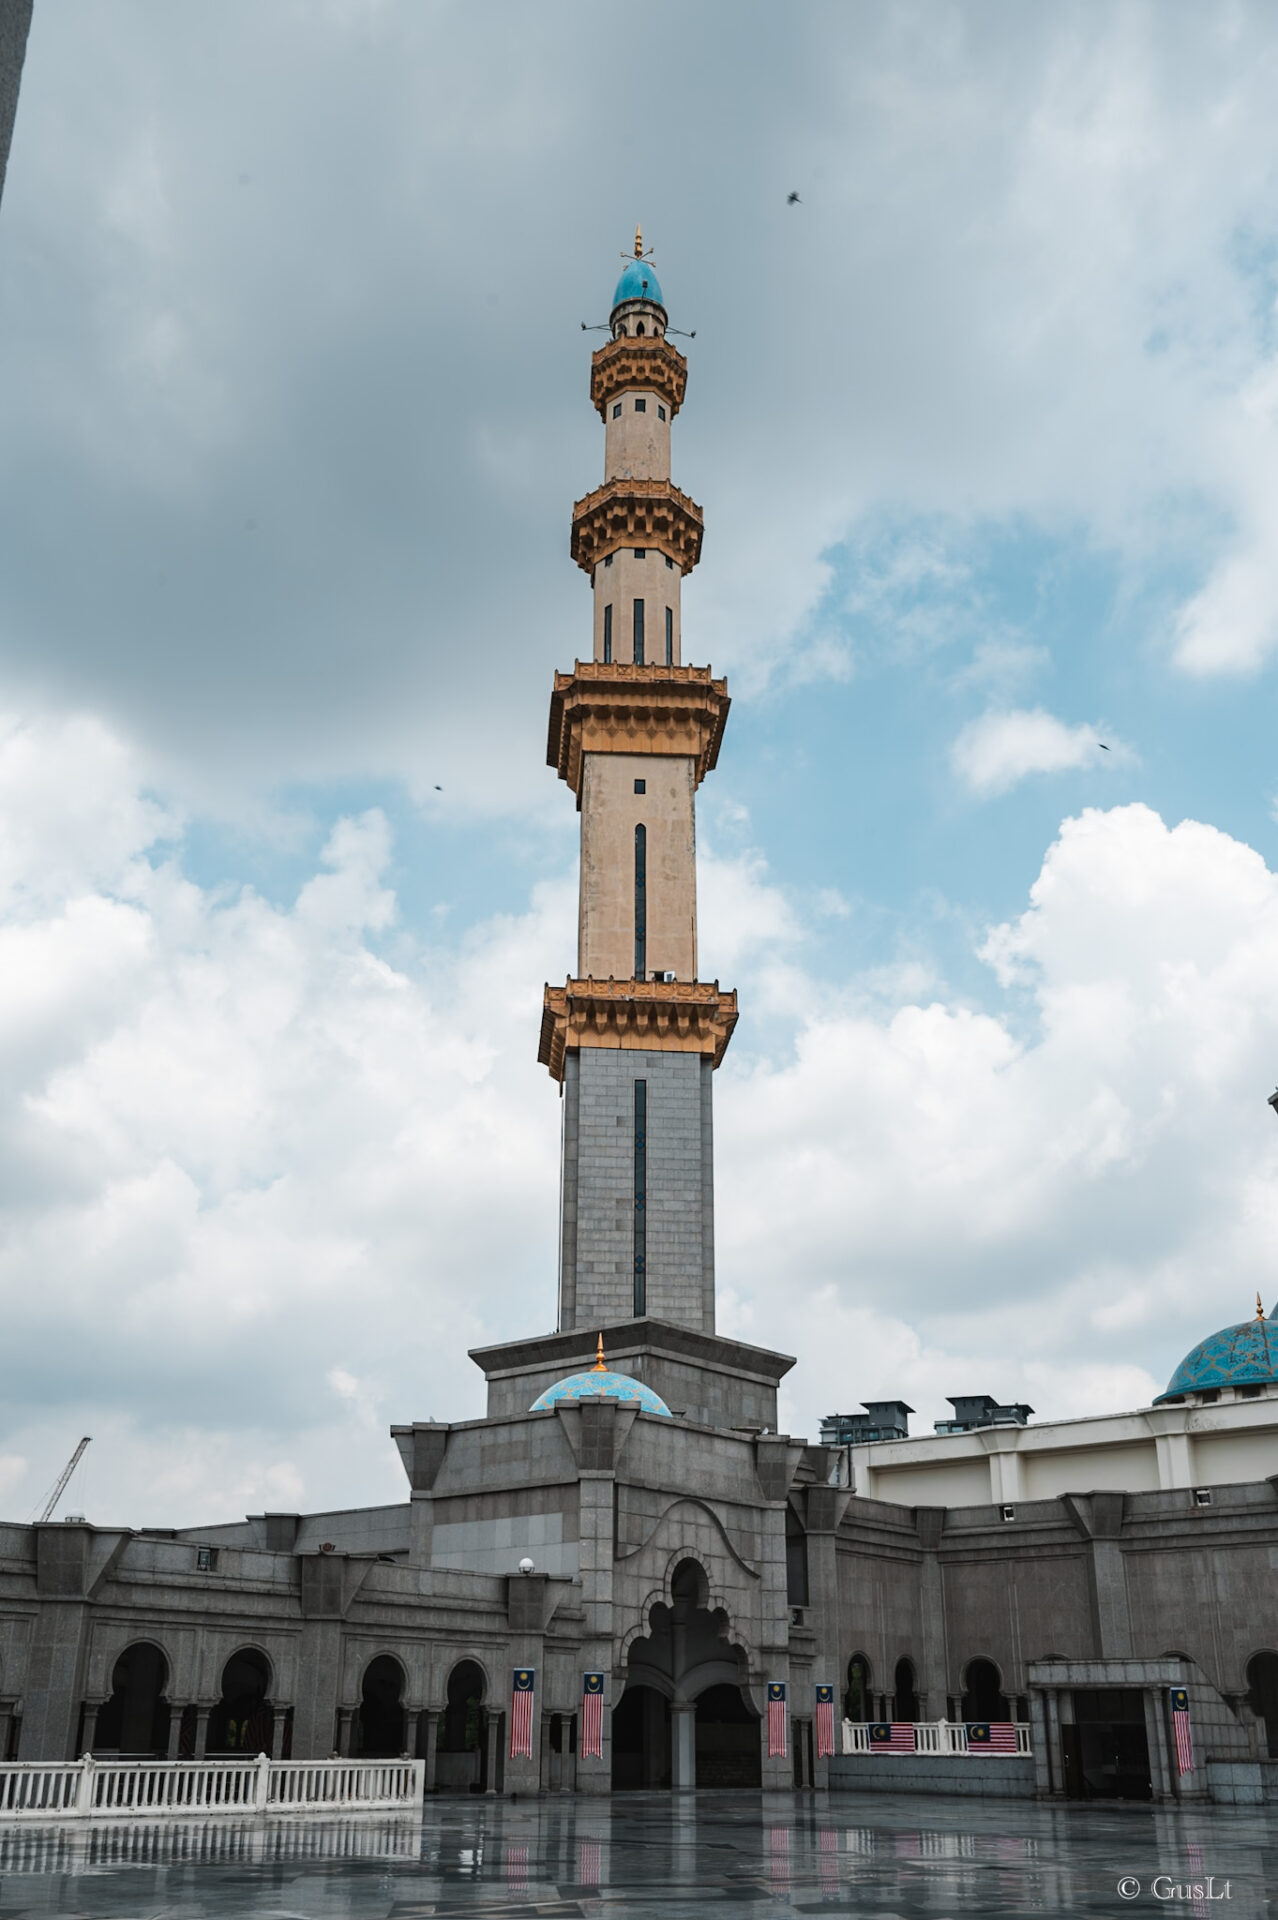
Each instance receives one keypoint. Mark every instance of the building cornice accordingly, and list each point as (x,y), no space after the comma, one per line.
(636,513)
(620,708)
(626,363)
(653,1016)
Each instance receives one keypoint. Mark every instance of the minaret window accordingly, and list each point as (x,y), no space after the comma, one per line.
(638,633)
(661,412)
(641,902)
(641,406)
(669,636)
(641,553)
(616,412)
(607,635)
(641,1196)
(669,563)
(608,560)
(641,786)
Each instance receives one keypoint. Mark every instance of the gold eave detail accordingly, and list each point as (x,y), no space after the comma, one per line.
(637,513)
(654,1016)
(622,708)
(628,363)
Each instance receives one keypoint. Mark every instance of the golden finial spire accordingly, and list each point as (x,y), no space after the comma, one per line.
(638,241)
(601,1365)
(1260,1311)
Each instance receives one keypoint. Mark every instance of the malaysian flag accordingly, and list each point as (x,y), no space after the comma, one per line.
(592,1688)
(517,1867)
(828,1859)
(521,1714)
(991,1736)
(779,1857)
(824,1721)
(1178,1698)
(589,1862)
(776,1720)
(895,1736)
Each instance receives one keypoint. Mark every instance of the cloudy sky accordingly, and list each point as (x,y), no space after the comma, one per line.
(293,397)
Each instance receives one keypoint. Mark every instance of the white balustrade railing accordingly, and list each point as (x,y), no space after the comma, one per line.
(107,1789)
(931,1736)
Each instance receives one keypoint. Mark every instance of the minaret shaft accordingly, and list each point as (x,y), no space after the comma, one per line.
(635,1037)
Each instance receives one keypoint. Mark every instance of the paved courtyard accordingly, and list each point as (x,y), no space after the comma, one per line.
(654,1856)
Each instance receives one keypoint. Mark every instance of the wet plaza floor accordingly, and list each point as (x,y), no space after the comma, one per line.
(654,1857)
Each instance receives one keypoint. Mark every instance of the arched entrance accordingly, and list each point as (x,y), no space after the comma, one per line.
(905,1699)
(135,1720)
(858,1703)
(243,1721)
(1262,1697)
(728,1740)
(983,1696)
(381,1712)
(461,1759)
(661,1730)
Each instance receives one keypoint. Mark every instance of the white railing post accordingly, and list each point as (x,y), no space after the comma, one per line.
(262,1785)
(84,1789)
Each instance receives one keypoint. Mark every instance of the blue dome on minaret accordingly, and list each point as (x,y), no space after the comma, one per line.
(638,280)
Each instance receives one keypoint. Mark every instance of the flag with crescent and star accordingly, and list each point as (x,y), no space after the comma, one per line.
(776,1720)
(824,1720)
(521,1713)
(592,1695)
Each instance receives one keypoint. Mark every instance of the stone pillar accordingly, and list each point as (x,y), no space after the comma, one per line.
(202,1712)
(175,1729)
(683,1745)
(92,1708)
(346,1731)
(6,1728)
(493,1728)
(429,1736)
(1161,1778)
(279,1720)
(319,1661)
(933,1680)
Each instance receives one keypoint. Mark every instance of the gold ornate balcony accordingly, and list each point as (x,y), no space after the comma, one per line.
(637,513)
(627,363)
(654,1016)
(613,708)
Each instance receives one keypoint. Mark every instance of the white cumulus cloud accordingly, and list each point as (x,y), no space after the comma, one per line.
(999,749)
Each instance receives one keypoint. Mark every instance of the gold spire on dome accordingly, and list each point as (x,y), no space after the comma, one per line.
(1260,1311)
(638,241)
(601,1365)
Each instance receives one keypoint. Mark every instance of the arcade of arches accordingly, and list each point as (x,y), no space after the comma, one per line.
(685,1718)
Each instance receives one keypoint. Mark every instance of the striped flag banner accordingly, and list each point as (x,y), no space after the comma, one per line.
(1194,1856)
(589,1862)
(779,1857)
(824,1721)
(1178,1699)
(828,1859)
(592,1698)
(521,1713)
(891,1736)
(991,1736)
(776,1720)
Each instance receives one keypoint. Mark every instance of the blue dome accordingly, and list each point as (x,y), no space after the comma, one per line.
(602,1382)
(638,282)
(1241,1356)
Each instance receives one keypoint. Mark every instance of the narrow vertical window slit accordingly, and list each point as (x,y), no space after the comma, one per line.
(641,1195)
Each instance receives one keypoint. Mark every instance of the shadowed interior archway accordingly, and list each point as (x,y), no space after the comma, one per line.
(684,1708)
(135,1720)
(243,1720)
(382,1721)
(1262,1697)
(462,1751)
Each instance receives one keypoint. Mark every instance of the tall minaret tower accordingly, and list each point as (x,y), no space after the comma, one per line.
(635,1036)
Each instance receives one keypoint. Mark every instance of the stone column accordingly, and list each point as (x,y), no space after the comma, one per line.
(92,1708)
(492,1733)
(6,1729)
(683,1745)
(278,1721)
(1161,1779)
(202,1712)
(175,1729)
(933,1680)
(430,1737)
(346,1731)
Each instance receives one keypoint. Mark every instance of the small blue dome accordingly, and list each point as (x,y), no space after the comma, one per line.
(603,1383)
(638,282)
(1241,1356)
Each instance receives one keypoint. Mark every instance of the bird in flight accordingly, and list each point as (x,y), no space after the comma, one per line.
(439,789)
(1102,746)
(793,200)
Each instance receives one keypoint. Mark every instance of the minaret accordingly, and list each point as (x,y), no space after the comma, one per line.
(635,1036)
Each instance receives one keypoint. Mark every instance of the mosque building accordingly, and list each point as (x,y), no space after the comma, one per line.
(626,1520)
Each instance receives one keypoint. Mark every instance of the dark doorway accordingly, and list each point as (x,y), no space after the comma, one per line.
(1105,1752)
(135,1720)
(796,1560)
(243,1721)
(462,1756)
(1262,1697)
(382,1732)
(905,1701)
(856,1701)
(640,1740)
(983,1697)
(728,1749)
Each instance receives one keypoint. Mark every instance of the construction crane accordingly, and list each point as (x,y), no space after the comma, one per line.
(63,1478)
